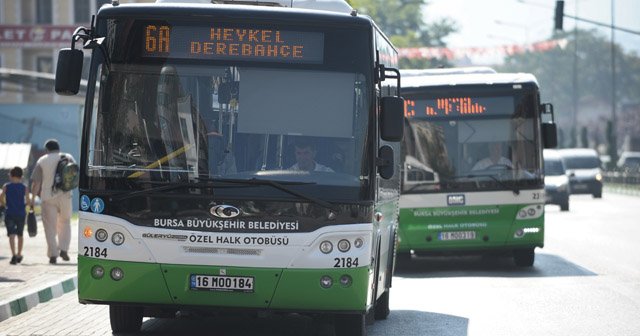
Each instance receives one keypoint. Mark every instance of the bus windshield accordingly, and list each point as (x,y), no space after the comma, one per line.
(172,122)
(471,142)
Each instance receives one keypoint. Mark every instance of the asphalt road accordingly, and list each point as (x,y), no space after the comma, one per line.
(586,281)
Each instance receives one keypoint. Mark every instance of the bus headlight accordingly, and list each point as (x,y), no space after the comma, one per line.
(101,235)
(326,247)
(345,280)
(117,238)
(344,245)
(358,243)
(97,272)
(519,233)
(117,274)
(326,281)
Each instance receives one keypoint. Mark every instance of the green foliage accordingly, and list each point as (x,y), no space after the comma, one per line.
(612,149)
(402,21)
(584,138)
(554,70)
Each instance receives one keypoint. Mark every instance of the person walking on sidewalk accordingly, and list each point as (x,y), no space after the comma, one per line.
(16,197)
(56,204)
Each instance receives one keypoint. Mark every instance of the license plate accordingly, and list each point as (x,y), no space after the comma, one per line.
(222,283)
(457,235)
(580,187)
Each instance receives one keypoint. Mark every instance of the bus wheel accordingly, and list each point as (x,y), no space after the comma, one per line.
(524,257)
(564,206)
(350,325)
(382,306)
(125,319)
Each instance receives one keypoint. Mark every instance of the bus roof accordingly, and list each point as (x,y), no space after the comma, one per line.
(182,8)
(339,6)
(452,77)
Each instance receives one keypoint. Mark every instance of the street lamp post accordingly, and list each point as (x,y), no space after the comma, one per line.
(613,152)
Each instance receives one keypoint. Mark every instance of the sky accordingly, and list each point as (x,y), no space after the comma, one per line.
(485,23)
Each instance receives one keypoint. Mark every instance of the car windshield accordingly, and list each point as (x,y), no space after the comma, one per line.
(553,167)
(631,162)
(581,162)
(182,123)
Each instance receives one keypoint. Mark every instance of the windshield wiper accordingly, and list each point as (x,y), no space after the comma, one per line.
(280,185)
(215,182)
(165,187)
(443,181)
(421,184)
(514,189)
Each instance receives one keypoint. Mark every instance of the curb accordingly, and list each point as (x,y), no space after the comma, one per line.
(28,301)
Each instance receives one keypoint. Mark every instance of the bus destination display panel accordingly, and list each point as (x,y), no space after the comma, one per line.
(463,106)
(216,42)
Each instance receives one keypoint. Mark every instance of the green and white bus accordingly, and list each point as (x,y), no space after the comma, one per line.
(237,157)
(472,179)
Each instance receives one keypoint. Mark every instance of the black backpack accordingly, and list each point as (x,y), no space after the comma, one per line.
(67,174)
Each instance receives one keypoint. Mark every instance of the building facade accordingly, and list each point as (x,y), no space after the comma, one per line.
(31,33)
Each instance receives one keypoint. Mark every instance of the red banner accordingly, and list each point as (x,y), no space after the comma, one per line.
(36,36)
(476,52)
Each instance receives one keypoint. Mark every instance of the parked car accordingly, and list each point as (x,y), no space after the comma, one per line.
(629,161)
(556,181)
(583,168)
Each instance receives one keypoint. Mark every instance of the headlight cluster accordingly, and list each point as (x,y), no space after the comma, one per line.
(344,245)
(530,212)
(116,273)
(519,233)
(101,235)
(327,281)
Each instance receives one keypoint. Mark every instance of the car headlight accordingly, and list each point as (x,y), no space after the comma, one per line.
(598,177)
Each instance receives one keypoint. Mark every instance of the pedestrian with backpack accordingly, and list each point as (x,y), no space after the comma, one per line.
(54,188)
(16,197)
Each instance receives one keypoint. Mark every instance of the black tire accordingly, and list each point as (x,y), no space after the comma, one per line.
(597,194)
(125,319)
(524,257)
(350,325)
(564,206)
(382,306)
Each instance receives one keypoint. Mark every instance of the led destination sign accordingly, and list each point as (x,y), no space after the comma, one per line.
(232,43)
(458,106)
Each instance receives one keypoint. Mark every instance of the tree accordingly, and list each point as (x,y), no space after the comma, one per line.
(554,71)
(402,21)
(584,138)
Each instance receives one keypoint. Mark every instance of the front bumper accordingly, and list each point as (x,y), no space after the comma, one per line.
(591,186)
(169,285)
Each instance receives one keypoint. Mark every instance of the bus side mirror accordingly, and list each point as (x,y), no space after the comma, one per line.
(391,118)
(69,71)
(549,135)
(385,162)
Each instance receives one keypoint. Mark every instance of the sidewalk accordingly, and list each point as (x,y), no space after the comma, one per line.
(34,281)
